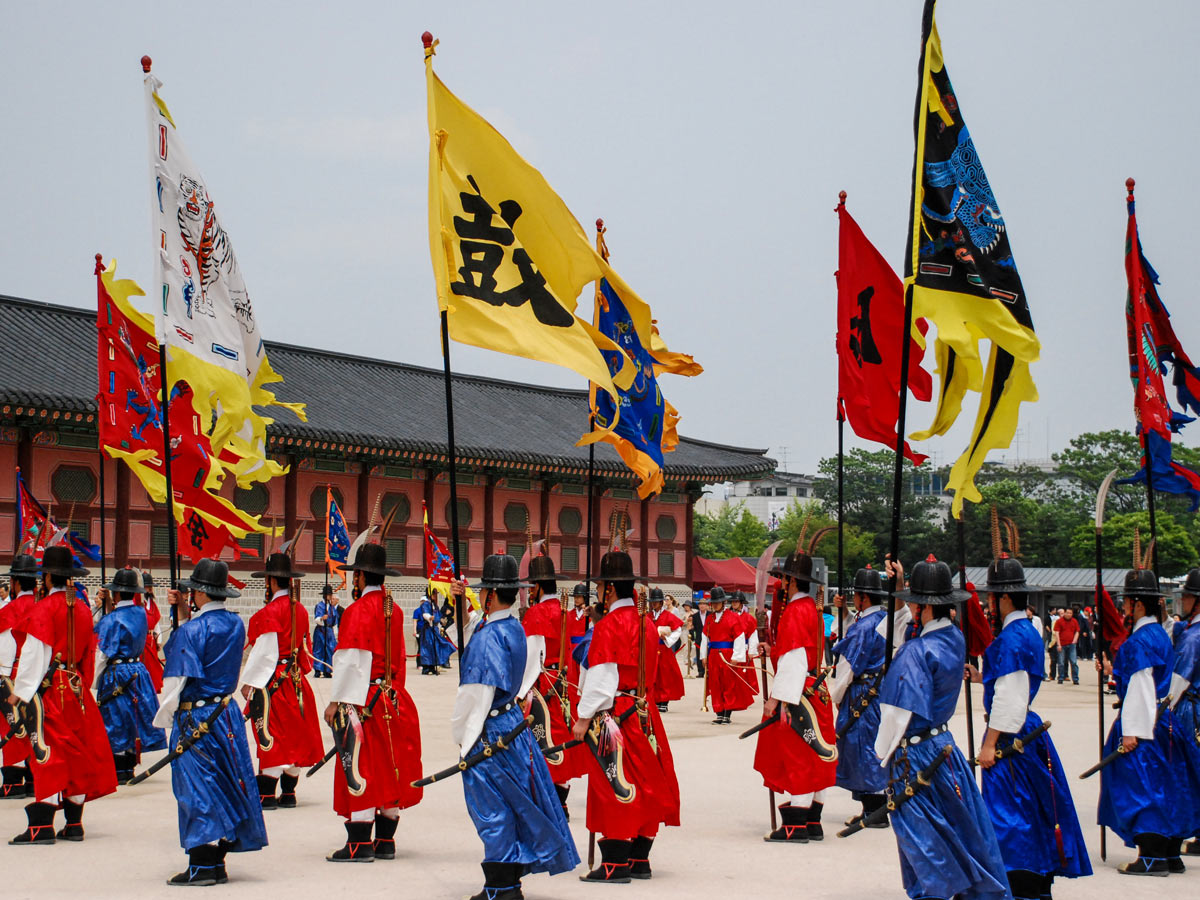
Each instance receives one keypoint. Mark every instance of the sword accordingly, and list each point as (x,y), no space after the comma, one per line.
(117,691)
(863,703)
(911,789)
(187,743)
(775,716)
(488,751)
(1019,744)
(1116,754)
(575,742)
(333,751)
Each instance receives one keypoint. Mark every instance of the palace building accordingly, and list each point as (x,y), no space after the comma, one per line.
(375,429)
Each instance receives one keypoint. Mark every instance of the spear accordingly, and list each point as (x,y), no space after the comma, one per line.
(1101,497)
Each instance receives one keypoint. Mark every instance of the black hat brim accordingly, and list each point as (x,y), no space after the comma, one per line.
(1136,592)
(1019,587)
(20,573)
(374,570)
(500,585)
(795,576)
(65,572)
(212,590)
(955,596)
(266,573)
(122,588)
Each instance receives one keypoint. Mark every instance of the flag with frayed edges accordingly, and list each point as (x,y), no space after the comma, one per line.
(963,277)
(439,564)
(205,317)
(1149,349)
(337,538)
(870,321)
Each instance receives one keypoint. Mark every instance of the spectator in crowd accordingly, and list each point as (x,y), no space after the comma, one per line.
(1087,644)
(696,627)
(1051,637)
(1066,633)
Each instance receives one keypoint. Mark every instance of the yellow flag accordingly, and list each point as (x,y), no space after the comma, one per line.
(509,258)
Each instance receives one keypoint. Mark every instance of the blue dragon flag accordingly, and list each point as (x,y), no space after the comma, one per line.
(337,538)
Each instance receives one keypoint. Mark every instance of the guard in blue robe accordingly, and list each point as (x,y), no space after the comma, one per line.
(433,649)
(124,690)
(1026,791)
(326,617)
(855,690)
(213,781)
(1185,680)
(510,795)
(946,842)
(1149,795)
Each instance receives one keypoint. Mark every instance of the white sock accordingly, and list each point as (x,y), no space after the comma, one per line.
(273,772)
(363,815)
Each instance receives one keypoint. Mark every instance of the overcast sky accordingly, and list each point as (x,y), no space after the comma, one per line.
(712,137)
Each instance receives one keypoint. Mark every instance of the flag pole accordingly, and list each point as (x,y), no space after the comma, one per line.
(841,420)
(451,454)
(164,399)
(1129,185)
(898,476)
(962,620)
(100,454)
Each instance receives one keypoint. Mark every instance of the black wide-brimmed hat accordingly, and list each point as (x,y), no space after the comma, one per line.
(717,594)
(1006,574)
(657,595)
(797,565)
(541,568)
(279,565)
(23,566)
(1191,584)
(1141,583)
(125,581)
(371,558)
(327,590)
(211,576)
(580,590)
(147,581)
(870,582)
(739,597)
(932,584)
(500,571)
(616,565)
(61,561)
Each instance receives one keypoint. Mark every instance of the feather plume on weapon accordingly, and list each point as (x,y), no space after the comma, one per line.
(289,546)
(1137,547)
(816,538)
(531,551)
(997,542)
(1149,554)
(375,510)
(804,527)
(274,534)
(1014,536)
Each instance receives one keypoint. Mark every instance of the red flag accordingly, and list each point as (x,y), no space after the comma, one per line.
(34,528)
(978,631)
(439,564)
(200,539)
(1112,623)
(870,320)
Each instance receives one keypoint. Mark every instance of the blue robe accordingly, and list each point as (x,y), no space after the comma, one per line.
(324,639)
(1027,793)
(1151,790)
(945,838)
(1187,711)
(432,647)
(129,717)
(510,796)
(863,649)
(214,781)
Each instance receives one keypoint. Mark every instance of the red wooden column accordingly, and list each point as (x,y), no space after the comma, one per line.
(120,513)
(689,532)
(363,498)
(644,536)
(544,511)
(489,515)
(291,484)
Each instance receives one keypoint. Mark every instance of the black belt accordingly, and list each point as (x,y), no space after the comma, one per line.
(122,660)
(925,735)
(501,709)
(867,677)
(201,703)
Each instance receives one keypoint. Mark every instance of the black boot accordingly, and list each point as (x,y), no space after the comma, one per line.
(266,791)
(871,803)
(73,829)
(614,863)
(14,783)
(223,847)
(1151,859)
(815,831)
(359,847)
(384,844)
(1192,848)
(639,858)
(41,825)
(662,707)
(563,790)
(501,881)
(720,719)
(1175,864)
(794,829)
(287,790)
(124,763)
(201,870)
(1025,885)
(1047,886)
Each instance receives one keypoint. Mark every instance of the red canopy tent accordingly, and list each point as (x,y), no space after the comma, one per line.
(732,574)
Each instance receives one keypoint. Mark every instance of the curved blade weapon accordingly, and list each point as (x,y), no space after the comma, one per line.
(1101,498)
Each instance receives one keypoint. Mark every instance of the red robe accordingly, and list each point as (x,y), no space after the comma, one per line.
(731,685)
(577,627)
(656,798)
(749,627)
(668,683)
(80,760)
(545,619)
(390,756)
(14,617)
(787,764)
(150,658)
(295,720)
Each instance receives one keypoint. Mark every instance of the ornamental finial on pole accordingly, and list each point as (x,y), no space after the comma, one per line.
(146,61)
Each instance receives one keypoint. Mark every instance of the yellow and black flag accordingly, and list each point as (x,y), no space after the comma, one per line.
(962,275)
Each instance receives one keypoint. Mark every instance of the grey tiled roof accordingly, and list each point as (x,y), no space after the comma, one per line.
(354,400)
(1057,579)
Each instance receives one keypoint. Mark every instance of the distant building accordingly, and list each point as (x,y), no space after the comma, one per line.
(767,498)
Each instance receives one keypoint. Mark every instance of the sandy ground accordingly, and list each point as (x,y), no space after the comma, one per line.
(132,838)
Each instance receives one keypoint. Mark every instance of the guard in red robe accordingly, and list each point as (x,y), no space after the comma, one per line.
(543,625)
(151,656)
(367,690)
(614,658)
(728,679)
(788,764)
(286,720)
(58,661)
(579,620)
(750,631)
(668,682)
(17,779)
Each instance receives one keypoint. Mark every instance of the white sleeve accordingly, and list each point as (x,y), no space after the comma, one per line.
(739,648)
(260,665)
(535,652)
(471,707)
(842,677)
(1010,703)
(8,652)
(1137,709)
(893,722)
(903,619)
(703,646)
(169,702)
(101,665)
(674,636)
(599,689)
(351,676)
(35,661)
(752,643)
(790,675)
(1179,686)
(473,620)
(428,617)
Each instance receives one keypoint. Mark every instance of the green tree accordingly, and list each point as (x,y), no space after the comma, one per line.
(748,536)
(858,547)
(1088,459)
(711,534)
(1176,552)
